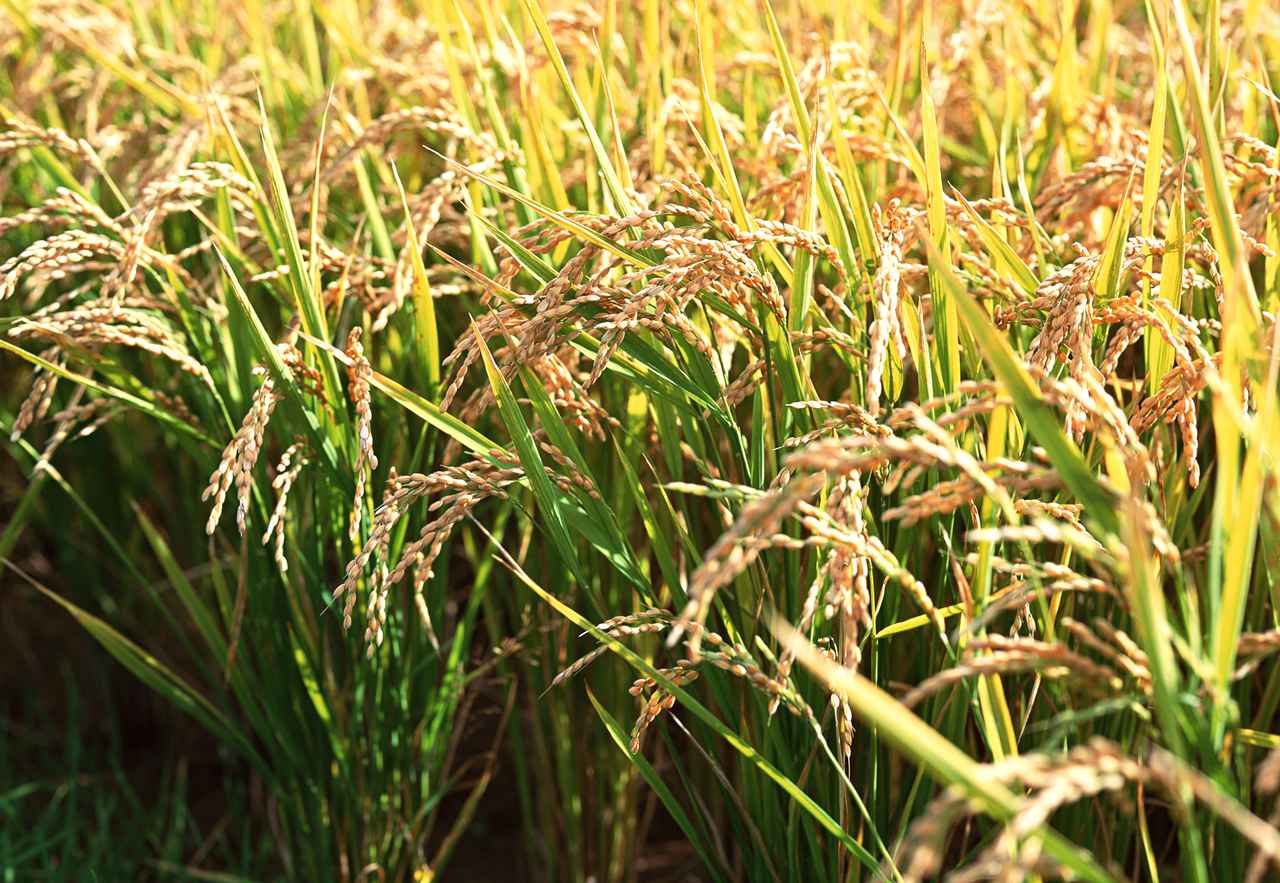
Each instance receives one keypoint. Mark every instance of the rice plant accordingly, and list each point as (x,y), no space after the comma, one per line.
(704,440)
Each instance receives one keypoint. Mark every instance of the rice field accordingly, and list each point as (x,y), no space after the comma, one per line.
(717,440)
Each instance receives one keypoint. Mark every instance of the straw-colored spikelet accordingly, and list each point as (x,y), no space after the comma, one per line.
(89,416)
(848,601)
(999,655)
(659,701)
(358,373)
(893,225)
(57,257)
(731,555)
(65,208)
(38,400)
(93,326)
(240,456)
(646,622)
(461,488)
(287,470)
(20,133)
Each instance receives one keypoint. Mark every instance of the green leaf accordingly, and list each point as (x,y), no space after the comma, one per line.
(650,775)
(1171,267)
(589,515)
(612,180)
(301,282)
(1006,261)
(946,327)
(833,218)
(426,337)
(926,746)
(1035,414)
(1106,279)
(550,499)
(199,611)
(147,668)
(700,711)
(142,405)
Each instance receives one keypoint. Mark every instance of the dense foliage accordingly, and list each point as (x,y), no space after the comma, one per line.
(674,441)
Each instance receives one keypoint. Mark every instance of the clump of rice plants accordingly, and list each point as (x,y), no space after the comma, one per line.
(794,441)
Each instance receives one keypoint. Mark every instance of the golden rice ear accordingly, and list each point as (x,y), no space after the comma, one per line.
(287,471)
(616,342)
(239,458)
(358,373)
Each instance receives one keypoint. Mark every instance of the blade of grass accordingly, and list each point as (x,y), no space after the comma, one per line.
(1031,407)
(612,179)
(803,800)
(946,325)
(549,497)
(150,409)
(426,337)
(651,776)
(931,750)
(146,667)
